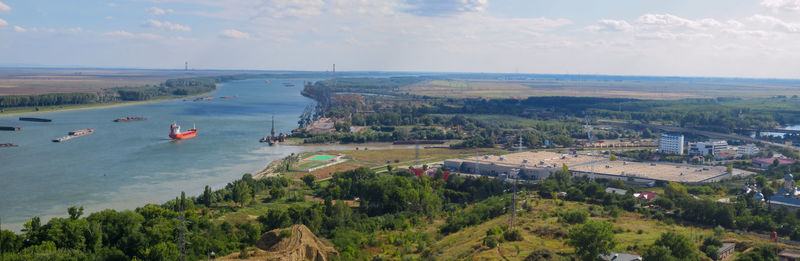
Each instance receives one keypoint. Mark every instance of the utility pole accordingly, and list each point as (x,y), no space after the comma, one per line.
(1,240)
(515,175)
(182,230)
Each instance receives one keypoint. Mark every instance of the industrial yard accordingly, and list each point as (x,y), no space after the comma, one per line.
(537,165)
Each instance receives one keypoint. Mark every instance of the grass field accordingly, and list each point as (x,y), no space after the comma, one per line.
(659,88)
(541,229)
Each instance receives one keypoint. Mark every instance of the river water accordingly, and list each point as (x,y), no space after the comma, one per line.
(129,164)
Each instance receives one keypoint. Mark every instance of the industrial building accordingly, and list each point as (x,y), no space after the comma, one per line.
(708,148)
(539,165)
(671,143)
(531,165)
(643,172)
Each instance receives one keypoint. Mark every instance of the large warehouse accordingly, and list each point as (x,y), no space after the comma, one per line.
(533,165)
(655,171)
(537,165)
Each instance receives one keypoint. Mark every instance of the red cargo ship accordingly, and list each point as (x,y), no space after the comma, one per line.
(175,132)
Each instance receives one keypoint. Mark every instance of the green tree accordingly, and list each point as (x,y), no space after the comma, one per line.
(592,239)
(658,253)
(612,157)
(309,180)
(677,246)
(207,196)
(674,190)
(276,193)
(75,212)
(241,192)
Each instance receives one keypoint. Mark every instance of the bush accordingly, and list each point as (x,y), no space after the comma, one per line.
(286,233)
(512,235)
(490,242)
(575,217)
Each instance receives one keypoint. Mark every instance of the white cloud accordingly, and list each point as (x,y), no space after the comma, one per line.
(277,9)
(611,25)
(19,29)
(126,34)
(4,8)
(445,7)
(120,33)
(166,25)
(159,11)
(776,23)
(3,23)
(234,34)
(667,21)
(785,5)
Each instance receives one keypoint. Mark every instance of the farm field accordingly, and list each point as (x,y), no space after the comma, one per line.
(665,88)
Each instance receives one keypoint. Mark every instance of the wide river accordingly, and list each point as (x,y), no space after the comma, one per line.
(129,164)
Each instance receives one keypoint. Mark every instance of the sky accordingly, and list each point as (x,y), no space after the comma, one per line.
(721,38)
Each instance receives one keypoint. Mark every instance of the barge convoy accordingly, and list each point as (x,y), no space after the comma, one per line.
(130,119)
(34,119)
(74,134)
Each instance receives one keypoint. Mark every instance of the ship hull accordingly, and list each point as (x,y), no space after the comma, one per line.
(184,135)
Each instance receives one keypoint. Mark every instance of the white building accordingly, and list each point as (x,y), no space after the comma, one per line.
(749,149)
(706,148)
(671,143)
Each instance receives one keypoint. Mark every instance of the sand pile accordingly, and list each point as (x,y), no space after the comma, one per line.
(300,245)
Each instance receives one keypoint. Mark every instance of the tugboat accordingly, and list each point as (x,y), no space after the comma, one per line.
(176,134)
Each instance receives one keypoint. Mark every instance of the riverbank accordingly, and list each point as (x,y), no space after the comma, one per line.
(75,107)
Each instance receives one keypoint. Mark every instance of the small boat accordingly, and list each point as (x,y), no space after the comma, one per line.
(8,145)
(34,119)
(267,81)
(7,128)
(176,134)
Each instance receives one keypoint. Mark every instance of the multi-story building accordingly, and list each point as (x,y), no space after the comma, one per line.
(707,148)
(671,143)
(749,149)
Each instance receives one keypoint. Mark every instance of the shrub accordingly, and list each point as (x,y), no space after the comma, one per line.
(575,217)
(512,235)
(286,233)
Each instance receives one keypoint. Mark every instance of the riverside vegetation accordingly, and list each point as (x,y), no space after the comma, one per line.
(400,215)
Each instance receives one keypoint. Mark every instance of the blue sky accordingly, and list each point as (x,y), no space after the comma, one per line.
(741,38)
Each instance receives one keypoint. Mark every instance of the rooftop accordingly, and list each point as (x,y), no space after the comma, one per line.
(793,253)
(535,159)
(658,171)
